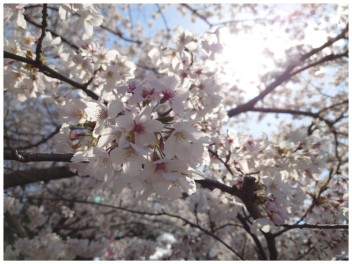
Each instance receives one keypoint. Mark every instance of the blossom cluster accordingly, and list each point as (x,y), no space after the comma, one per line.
(151,134)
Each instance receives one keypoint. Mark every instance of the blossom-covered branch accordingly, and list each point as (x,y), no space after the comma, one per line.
(53,74)
(288,73)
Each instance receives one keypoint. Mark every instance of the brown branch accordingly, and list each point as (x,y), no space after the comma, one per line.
(327,44)
(51,73)
(310,226)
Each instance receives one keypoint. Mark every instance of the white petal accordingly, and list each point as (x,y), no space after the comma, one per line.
(170,146)
(21,22)
(131,168)
(114,108)
(153,125)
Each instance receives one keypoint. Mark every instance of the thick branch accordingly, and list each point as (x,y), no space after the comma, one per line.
(261,252)
(37,157)
(18,178)
(246,192)
(270,241)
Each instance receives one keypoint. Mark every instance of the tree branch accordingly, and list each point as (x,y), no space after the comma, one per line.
(73,46)
(287,74)
(246,192)
(121,36)
(53,74)
(43,140)
(44,25)
(290,111)
(196,13)
(19,178)
(261,252)
(163,213)
(37,157)
(310,226)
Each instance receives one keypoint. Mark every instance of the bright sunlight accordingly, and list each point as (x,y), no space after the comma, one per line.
(246,55)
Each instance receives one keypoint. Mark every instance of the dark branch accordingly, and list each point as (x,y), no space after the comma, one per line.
(139,213)
(261,252)
(73,46)
(37,157)
(287,74)
(44,25)
(53,74)
(246,192)
(20,178)
(316,226)
(310,226)
(270,241)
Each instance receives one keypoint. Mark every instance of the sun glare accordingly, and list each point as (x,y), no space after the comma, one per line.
(244,59)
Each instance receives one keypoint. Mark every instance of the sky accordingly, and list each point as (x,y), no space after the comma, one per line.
(244,49)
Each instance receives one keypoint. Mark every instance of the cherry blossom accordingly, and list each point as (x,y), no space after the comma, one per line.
(116,136)
(141,126)
(15,12)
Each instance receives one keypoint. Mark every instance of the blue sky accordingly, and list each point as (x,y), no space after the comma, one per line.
(172,18)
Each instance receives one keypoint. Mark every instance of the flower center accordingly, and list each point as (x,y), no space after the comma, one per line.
(161,167)
(167,95)
(147,92)
(138,128)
